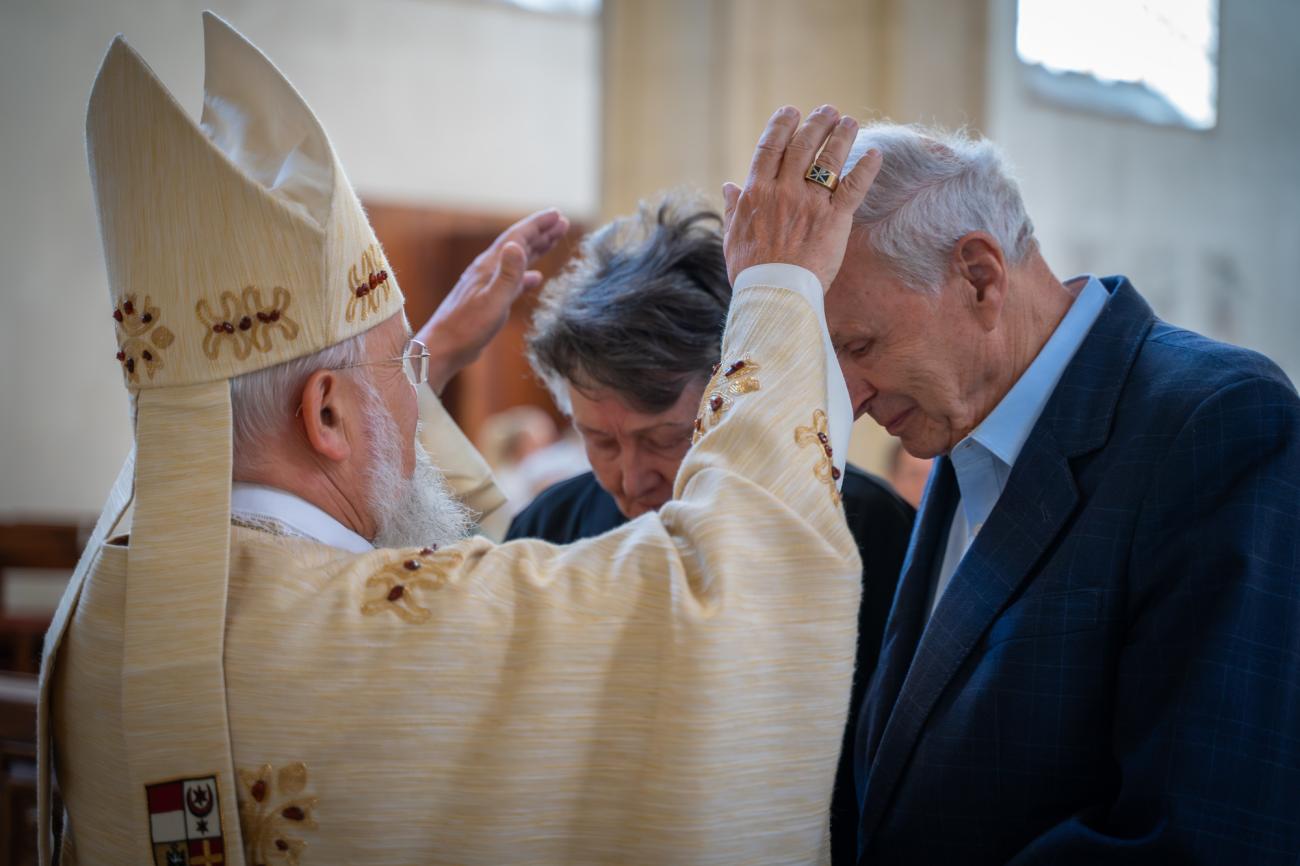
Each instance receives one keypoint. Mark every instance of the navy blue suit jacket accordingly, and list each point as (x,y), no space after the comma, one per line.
(1113,674)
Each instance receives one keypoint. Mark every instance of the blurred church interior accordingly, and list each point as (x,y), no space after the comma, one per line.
(1154,138)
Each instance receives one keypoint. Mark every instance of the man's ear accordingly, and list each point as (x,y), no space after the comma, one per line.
(323,411)
(977,259)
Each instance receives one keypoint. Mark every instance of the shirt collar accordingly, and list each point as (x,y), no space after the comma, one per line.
(1004,431)
(295,514)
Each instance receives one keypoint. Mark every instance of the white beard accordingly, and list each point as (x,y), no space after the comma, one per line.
(419,511)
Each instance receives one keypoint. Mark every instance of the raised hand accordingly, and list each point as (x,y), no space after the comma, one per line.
(479,304)
(781,215)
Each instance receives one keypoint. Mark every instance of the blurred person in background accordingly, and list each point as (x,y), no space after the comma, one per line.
(908,473)
(507,440)
(626,340)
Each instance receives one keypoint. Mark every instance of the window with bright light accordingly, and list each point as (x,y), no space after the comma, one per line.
(559,7)
(1156,60)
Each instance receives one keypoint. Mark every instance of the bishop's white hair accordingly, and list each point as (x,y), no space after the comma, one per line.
(933,188)
(263,402)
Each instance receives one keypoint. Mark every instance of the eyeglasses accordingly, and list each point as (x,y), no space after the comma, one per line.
(414,361)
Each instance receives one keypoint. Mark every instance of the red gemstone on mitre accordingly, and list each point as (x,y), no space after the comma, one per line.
(362,291)
(275,315)
(821,437)
(428,551)
(227,327)
(245,323)
(281,844)
(128,308)
(130,365)
(121,356)
(258,790)
(715,402)
(147,318)
(396,592)
(293,813)
(263,317)
(147,355)
(117,314)
(217,329)
(411,565)
(835,473)
(735,368)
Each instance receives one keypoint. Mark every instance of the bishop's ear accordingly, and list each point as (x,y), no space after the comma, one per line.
(324,411)
(980,266)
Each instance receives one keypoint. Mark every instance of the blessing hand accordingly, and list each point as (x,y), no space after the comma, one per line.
(783,216)
(479,304)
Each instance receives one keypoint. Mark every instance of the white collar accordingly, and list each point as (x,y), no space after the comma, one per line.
(258,501)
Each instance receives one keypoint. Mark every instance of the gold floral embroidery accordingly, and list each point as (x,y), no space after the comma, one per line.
(271,809)
(140,337)
(819,435)
(394,588)
(246,322)
(366,278)
(739,377)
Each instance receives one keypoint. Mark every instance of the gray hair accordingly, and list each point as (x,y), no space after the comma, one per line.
(641,312)
(933,188)
(262,402)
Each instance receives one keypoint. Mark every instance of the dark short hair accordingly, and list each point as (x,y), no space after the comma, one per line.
(641,312)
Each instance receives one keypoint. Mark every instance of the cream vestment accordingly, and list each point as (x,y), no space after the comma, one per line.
(671,692)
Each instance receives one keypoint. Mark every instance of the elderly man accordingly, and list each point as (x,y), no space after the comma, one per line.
(286,691)
(626,340)
(1093,655)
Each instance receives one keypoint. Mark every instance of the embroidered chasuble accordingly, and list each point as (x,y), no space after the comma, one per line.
(671,692)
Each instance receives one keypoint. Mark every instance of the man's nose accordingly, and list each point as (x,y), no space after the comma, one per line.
(860,393)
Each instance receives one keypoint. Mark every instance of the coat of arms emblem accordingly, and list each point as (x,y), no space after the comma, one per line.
(185,823)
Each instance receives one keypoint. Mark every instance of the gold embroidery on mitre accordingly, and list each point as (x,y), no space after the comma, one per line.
(140,337)
(732,380)
(395,588)
(272,809)
(245,322)
(365,280)
(818,434)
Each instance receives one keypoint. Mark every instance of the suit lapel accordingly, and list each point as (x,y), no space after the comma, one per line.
(1039,498)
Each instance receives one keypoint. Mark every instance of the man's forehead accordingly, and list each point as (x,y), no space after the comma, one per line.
(847,315)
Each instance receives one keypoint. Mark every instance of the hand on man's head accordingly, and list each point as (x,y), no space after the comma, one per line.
(782,215)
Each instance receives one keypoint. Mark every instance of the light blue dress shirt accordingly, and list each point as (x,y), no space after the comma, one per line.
(982,461)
